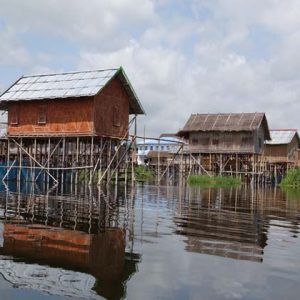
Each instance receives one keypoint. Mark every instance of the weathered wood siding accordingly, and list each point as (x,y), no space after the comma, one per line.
(63,117)
(293,149)
(276,151)
(228,142)
(282,153)
(259,140)
(218,142)
(111,110)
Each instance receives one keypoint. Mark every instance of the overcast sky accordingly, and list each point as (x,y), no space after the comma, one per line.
(182,56)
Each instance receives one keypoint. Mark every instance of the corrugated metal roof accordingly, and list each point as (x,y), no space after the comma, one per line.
(67,85)
(3,132)
(78,84)
(226,122)
(282,136)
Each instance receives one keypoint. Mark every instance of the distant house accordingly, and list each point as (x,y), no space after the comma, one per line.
(230,133)
(91,103)
(283,148)
(155,158)
(149,148)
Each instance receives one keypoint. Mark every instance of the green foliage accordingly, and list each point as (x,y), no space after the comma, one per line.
(292,179)
(215,181)
(142,174)
(292,193)
(85,176)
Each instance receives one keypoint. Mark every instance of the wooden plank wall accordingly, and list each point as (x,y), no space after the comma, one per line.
(215,142)
(111,110)
(283,153)
(63,116)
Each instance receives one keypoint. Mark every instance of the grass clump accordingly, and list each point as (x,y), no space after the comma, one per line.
(143,174)
(291,179)
(214,181)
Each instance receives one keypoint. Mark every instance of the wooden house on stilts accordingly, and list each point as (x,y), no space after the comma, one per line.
(281,153)
(228,143)
(69,121)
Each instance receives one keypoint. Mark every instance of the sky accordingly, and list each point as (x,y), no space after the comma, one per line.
(181,56)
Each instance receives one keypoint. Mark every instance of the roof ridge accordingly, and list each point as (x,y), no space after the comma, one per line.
(229,113)
(70,72)
(284,129)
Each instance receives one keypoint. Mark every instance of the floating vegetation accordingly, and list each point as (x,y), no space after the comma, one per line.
(143,174)
(214,181)
(292,193)
(291,179)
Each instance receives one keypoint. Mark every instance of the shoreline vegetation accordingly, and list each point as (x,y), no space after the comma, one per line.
(143,174)
(291,179)
(214,181)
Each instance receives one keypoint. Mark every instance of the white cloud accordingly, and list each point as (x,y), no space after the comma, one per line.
(224,56)
(99,23)
(154,74)
(12,52)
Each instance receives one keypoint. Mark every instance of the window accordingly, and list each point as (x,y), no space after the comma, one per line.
(204,141)
(151,147)
(156,147)
(42,116)
(162,148)
(14,116)
(194,141)
(246,140)
(146,147)
(215,142)
(116,116)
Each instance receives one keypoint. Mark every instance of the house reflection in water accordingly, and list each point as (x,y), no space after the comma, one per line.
(221,222)
(61,262)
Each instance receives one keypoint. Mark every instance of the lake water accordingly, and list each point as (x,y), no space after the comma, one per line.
(149,243)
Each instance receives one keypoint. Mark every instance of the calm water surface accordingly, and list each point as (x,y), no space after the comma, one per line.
(149,243)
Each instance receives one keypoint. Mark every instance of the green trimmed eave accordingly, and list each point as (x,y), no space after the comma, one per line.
(136,107)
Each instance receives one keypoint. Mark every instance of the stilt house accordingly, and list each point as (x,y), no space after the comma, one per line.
(68,121)
(227,133)
(283,148)
(226,143)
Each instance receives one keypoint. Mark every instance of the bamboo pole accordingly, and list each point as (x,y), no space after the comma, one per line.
(33,159)
(7,172)
(20,161)
(48,163)
(91,159)
(77,159)
(48,160)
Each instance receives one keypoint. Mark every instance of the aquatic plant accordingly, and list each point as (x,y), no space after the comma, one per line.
(214,181)
(143,174)
(291,179)
(292,193)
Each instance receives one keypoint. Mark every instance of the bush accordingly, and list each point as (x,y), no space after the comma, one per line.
(143,174)
(292,179)
(215,181)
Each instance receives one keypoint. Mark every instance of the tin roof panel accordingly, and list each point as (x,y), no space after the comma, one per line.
(280,137)
(65,85)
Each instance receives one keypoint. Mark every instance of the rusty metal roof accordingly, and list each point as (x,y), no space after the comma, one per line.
(226,122)
(68,85)
(283,136)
